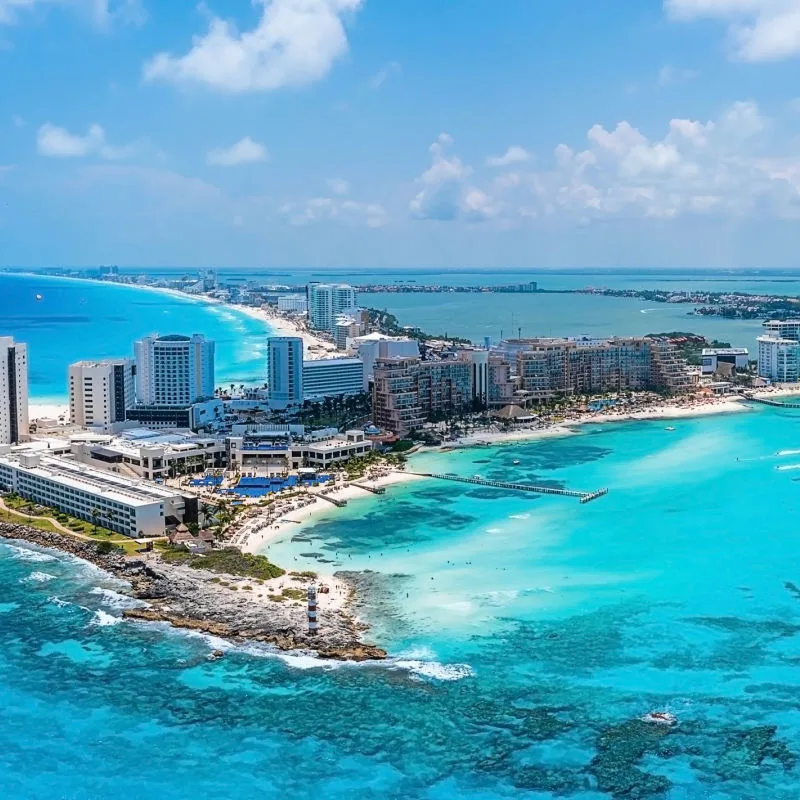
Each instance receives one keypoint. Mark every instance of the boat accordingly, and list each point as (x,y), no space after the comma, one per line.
(660,718)
(38,297)
(669,428)
(516,462)
(477,477)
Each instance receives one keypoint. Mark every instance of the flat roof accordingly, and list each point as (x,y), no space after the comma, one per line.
(725,351)
(103,484)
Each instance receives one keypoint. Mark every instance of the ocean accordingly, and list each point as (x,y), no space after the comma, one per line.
(76,320)
(527,635)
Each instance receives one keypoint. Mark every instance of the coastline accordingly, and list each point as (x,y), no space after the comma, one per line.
(232,607)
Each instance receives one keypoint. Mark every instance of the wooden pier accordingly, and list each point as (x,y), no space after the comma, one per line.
(584,497)
(339,503)
(373,489)
(774,403)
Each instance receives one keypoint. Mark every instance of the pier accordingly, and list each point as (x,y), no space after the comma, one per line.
(584,497)
(338,503)
(373,489)
(774,403)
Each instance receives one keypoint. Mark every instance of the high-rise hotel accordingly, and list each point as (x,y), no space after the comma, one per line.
(13,391)
(174,371)
(100,392)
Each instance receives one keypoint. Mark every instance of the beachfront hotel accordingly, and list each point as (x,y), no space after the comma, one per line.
(332,377)
(174,370)
(13,391)
(100,392)
(132,508)
(407,391)
(779,351)
(285,371)
(378,345)
(327,301)
(549,368)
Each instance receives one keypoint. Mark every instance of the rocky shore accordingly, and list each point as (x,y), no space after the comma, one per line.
(200,600)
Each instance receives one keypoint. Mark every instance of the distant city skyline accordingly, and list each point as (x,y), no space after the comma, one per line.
(359,133)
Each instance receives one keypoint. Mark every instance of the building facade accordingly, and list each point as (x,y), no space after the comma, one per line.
(330,377)
(174,370)
(378,345)
(100,392)
(716,358)
(131,507)
(326,301)
(13,391)
(779,359)
(195,416)
(293,304)
(285,371)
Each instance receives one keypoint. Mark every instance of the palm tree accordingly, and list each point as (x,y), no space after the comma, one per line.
(95,515)
(206,512)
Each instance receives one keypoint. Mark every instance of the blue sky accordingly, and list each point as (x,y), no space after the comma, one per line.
(472,133)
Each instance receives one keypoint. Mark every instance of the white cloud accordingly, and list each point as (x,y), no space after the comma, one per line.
(245,151)
(758,30)
(514,155)
(55,142)
(669,75)
(384,73)
(335,209)
(446,194)
(338,185)
(102,13)
(296,42)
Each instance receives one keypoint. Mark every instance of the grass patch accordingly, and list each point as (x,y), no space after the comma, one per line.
(16,518)
(307,574)
(294,594)
(227,561)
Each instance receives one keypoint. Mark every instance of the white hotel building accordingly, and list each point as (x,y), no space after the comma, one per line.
(332,377)
(132,508)
(100,392)
(779,351)
(174,370)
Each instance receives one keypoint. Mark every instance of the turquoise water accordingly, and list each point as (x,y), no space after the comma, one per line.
(527,634)
(78,320)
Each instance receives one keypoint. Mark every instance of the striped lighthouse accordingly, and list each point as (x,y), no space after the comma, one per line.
(313,623)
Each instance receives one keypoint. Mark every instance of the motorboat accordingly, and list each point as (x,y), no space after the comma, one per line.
(669,428)
(660,718)
(516,462)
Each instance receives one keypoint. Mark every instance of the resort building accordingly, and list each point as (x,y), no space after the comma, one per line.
(330,377)
(285,371)
(783,329)
(293,304)
(779,359)
(727,359)
(263,452)
(407,391)
(143,453)
(326,301)
(378,345)
(131,507)
(13,391)
(100,392)
(345,328)
(174,370)
(548,368)
(501,386)
(205,415)
(479,364)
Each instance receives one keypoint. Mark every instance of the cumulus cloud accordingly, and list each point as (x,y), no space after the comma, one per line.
(758,30)
(446,193)
(335,209)
(102,13)
(245,151)
(55,142)
(295,43)
(514,155)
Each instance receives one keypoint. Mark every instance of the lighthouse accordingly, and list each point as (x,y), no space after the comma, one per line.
(313,623)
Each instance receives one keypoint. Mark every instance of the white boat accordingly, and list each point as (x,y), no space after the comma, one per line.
(516,462)
(477,477)
(669,428)
(660,718)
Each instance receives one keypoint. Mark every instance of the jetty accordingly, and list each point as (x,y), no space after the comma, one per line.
(765,401)
(583,497)
(373,489)
(335,501)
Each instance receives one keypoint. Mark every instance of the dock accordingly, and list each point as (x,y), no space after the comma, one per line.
(583,497)
(768,402)
(337,503)
(373,489)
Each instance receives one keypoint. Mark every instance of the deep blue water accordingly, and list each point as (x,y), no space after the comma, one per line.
(78,320)
(527,635)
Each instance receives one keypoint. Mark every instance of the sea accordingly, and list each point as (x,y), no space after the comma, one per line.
(527,636)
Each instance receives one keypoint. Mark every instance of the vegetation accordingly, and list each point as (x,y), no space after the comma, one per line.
(306,574)
(287,594)
(228,561)
(106,548)
(402,445)
(690,345)
(336,412)
(388,324)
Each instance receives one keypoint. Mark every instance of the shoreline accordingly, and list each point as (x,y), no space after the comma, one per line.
(209,602)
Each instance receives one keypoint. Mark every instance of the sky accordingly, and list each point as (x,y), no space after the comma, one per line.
(400,133)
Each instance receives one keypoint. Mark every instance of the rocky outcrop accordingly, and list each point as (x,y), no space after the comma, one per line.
(212,603)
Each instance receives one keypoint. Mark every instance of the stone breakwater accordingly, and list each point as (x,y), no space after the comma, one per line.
(194,599)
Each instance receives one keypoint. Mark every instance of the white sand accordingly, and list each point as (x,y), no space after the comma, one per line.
(47,411)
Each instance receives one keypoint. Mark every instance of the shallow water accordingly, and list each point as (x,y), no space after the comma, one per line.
(534,634)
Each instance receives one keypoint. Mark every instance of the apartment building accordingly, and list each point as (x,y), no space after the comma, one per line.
(326,301)
(100,392)
(13,391)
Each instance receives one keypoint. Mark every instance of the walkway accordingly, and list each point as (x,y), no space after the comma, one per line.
(774,403)
(584,497)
